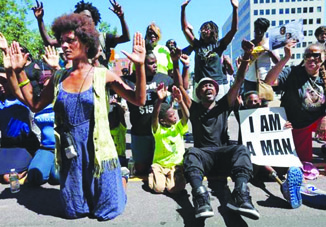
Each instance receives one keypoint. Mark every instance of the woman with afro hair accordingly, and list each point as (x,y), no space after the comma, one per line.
(91,183)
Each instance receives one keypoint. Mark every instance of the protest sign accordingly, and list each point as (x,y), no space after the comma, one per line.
(278,36)
(269,143)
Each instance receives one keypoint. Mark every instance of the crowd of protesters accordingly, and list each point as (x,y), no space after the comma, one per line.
(63,124)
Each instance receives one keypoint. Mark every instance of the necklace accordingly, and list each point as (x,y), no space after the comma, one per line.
(81,87)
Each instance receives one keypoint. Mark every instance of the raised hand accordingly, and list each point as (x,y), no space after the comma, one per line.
(176,94)
(116,8)
(138,51)
(51,56)
(185,3)
(247,46)
(38,10)
(162,91)
(185,59)
(175,54)
(6,60)
(288,46)
(3,43)
(18,59)
(235,3)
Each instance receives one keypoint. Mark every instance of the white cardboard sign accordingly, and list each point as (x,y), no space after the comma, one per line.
(269,143)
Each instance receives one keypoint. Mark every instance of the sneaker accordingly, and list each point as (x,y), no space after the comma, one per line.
(202,203)
(241,203)
(291,187)
(313,196)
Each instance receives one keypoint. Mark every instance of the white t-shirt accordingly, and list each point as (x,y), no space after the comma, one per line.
(264,64)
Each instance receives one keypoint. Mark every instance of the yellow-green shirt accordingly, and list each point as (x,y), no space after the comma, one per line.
(169,145)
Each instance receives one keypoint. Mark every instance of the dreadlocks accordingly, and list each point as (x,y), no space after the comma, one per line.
(214,28)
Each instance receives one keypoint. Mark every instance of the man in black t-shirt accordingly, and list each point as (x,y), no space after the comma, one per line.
(211,152)
(142,141)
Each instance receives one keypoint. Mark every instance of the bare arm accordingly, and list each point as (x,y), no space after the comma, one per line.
(137,97)
(11,77)
(117,9)
(234,90)
(273,74)
(3,43)
(184,24)
(18,60)
(161,94)
(234,27)
(39,13)
(228,65)
(185,70)
(177,94)
(178,81)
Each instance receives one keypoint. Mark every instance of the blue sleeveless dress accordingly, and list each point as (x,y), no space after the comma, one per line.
(83,194)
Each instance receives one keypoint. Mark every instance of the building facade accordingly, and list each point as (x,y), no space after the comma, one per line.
(118,64)
(278,12)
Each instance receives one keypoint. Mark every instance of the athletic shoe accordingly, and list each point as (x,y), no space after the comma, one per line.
(202,203)
(241,203)
(291,187)
(313,196)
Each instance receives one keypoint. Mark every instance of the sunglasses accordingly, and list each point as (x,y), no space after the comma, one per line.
(314,55)
(206,29)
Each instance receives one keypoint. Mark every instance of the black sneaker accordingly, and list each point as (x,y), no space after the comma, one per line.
(201,202)
(241,203)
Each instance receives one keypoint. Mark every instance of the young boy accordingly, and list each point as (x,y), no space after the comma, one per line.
(167,170)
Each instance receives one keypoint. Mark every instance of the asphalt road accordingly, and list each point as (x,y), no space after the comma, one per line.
(40,206)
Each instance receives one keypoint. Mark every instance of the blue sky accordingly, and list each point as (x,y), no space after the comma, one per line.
(140,13)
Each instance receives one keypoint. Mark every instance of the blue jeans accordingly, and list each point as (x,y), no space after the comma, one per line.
(142,148)
(42,168)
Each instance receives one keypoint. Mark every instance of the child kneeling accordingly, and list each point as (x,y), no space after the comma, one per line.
(167,170)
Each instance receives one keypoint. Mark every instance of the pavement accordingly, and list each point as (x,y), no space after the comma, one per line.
(40,206)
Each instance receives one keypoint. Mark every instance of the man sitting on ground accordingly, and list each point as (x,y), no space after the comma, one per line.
(211,150)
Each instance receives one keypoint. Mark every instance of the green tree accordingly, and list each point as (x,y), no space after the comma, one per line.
(13,25)
(106,28)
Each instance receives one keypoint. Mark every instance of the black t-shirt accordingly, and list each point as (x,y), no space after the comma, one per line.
(35,71)
(141,116)
(303,98)
(209,127)
(208,60)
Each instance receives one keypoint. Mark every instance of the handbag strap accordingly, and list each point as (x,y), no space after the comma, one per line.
(257,72)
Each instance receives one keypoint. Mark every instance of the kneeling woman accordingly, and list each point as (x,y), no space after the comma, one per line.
(90,176)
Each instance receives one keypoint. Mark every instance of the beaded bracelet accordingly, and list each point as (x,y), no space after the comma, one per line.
(25,82)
